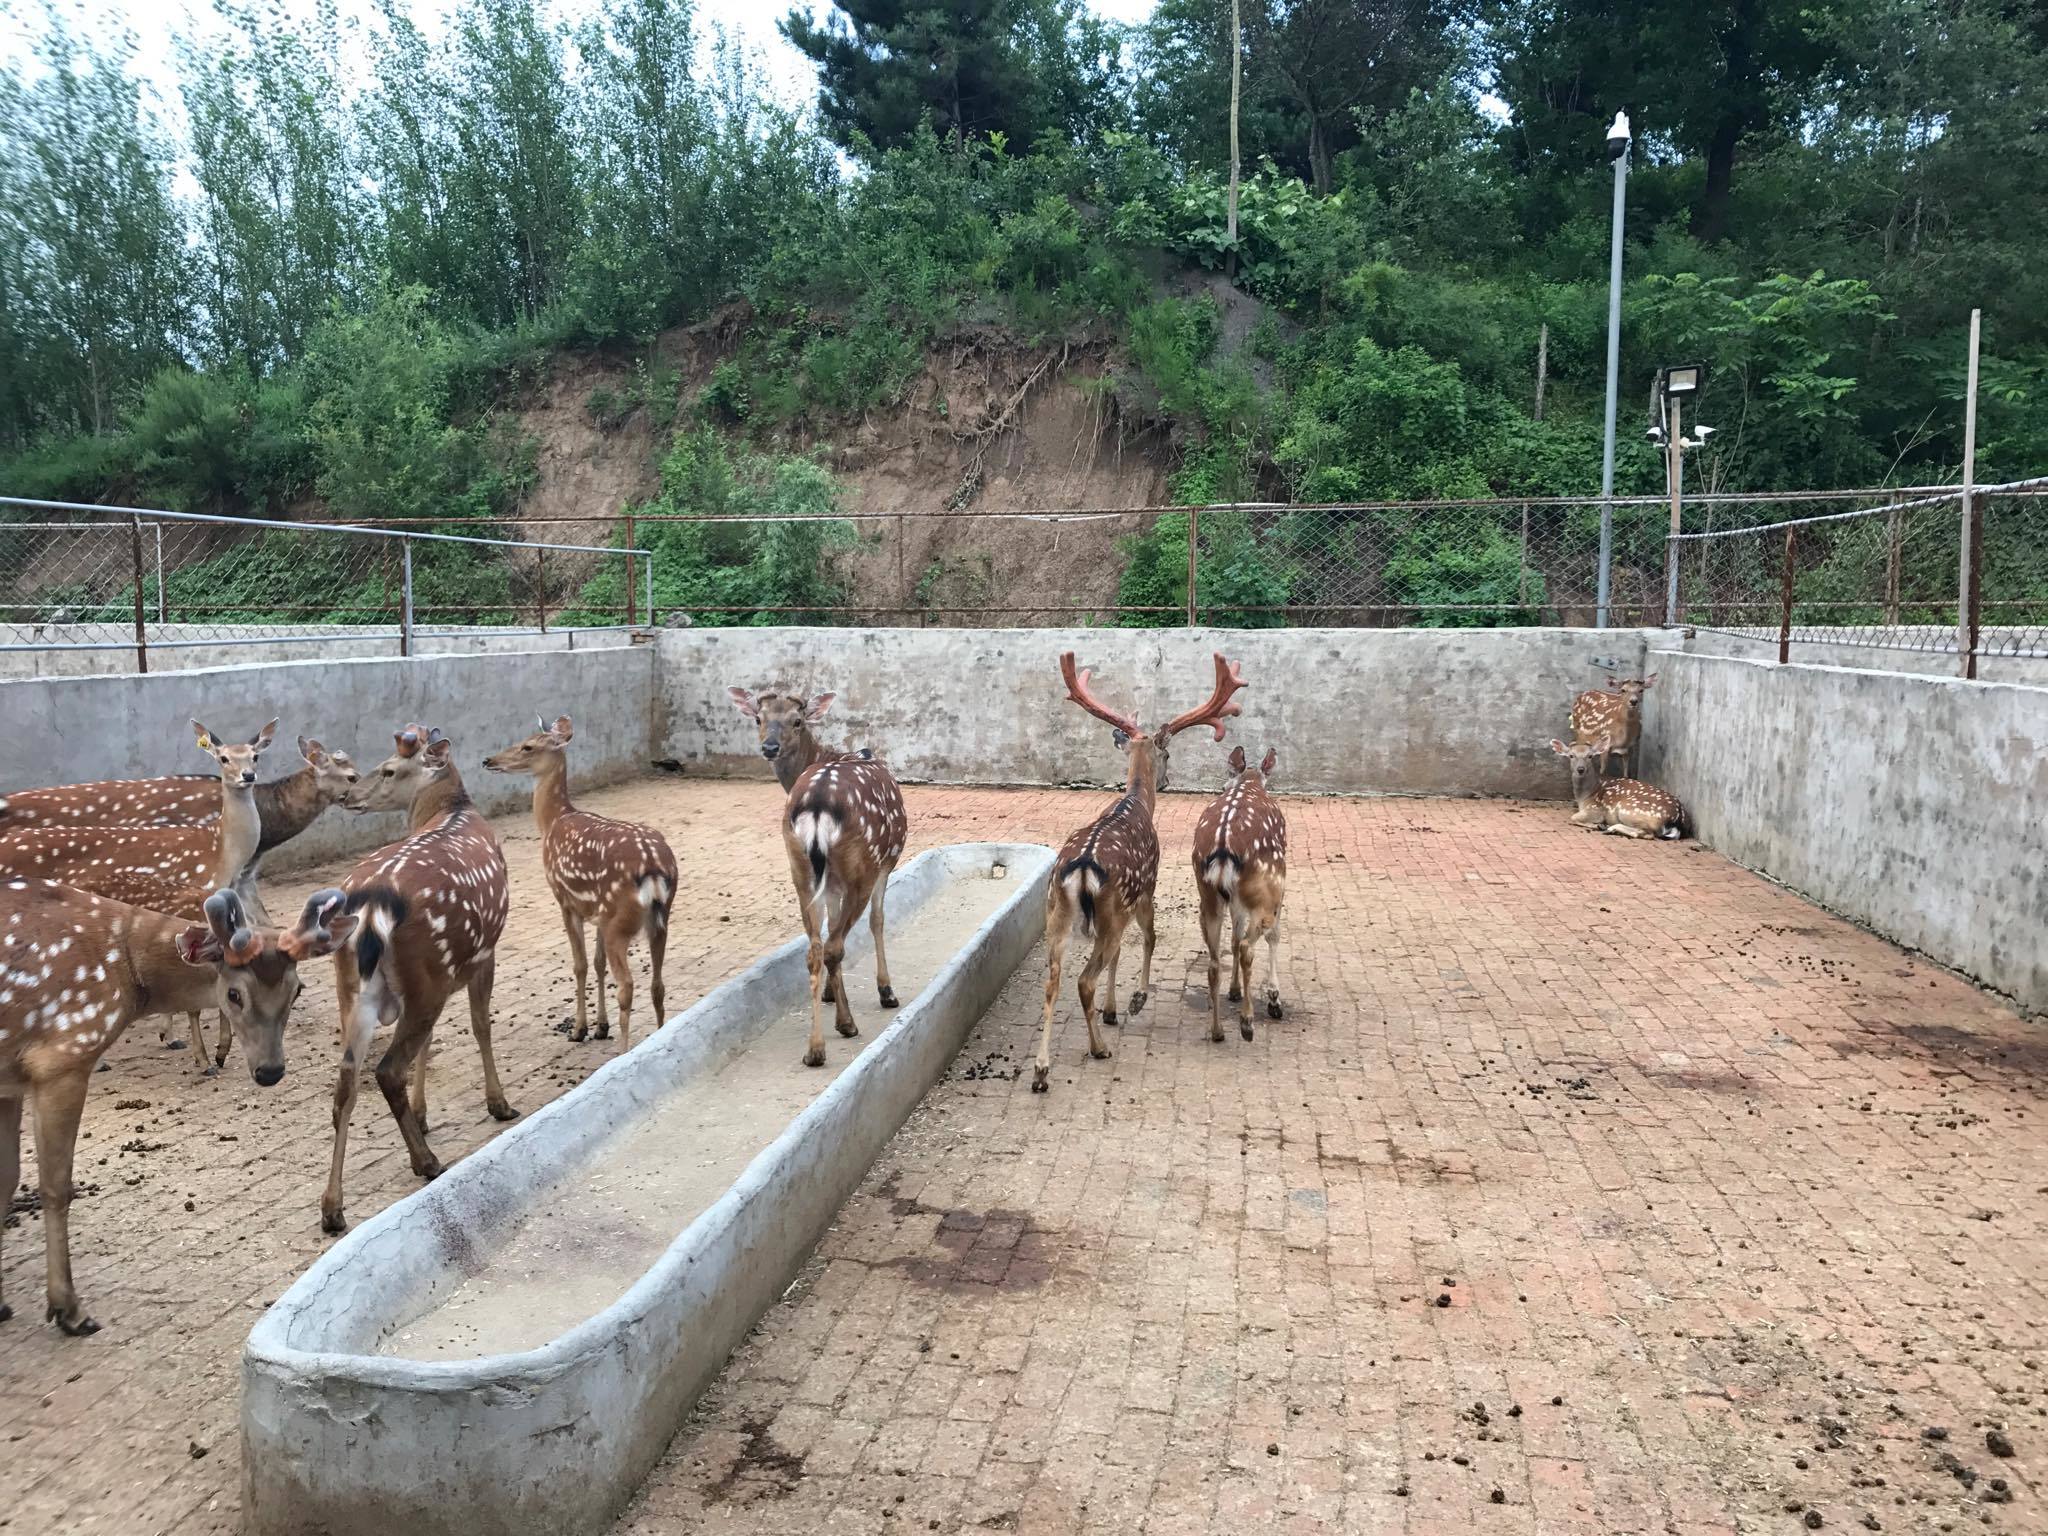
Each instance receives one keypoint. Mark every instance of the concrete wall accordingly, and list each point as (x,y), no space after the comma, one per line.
(1442,711)
(70,730)
(1915,805)
(1931,662)
(197,645)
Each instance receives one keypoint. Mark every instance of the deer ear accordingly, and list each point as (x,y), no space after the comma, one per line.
(1559,747)
(1266,763)
(197,946)
(815,710)
(1650,681)
(1237,759)
(743,701)
(263,738)
(1121,737)
(562,730)
(439,750)
(206,737)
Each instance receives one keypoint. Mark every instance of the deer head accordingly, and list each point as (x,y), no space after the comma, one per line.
(1632,688)
(334,773)
(1584,758)
(423,757)
(256,972)
(783,722)
(536,752)
(1125,730)
(237,759)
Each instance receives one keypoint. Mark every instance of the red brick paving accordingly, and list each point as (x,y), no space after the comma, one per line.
(1742,1186)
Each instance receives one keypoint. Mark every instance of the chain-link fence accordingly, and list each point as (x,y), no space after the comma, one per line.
(110,578)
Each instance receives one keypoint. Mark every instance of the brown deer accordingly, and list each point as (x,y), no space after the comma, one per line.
(1241,870)
(1107,870)
(170,869)
(616,874)
(843,827)
(1611,718)
(76,969)
(1625,806)
(433,907)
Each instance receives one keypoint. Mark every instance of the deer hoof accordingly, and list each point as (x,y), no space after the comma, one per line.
(5,1312)
(1038,1082)
(829,995)
(1101,1055)
(220,1061)
(334,1222)
(1109,1019)
(428,1168)
(1272,1007)
(1234,995)
(815,1057)
(851,1031)
(604,1029)
(888,997)
(1244,1028)
(1138,1001)
(73,1321)
(1216,1033)
(502,1111)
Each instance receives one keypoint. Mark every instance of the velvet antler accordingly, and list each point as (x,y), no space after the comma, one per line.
(1220,706)
(1077,690)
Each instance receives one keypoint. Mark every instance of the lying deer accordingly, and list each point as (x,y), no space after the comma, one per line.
(1625,806)
(843,827)
(1107,870)
(616,874)
(284,807)
(433,907)
(1611,719)
(76,969)
(169,869)
(1241,868)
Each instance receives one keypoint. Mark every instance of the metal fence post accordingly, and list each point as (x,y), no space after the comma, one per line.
(1675,457)
(540,586)
(649,579)
(405,609)
(160,609)
(631,594)
(141,632)
(1193,520)
(1966,582)
(1785,604)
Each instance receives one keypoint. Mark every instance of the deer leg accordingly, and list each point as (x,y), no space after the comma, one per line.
(1058,920)
(615,942)
(580,962)
(198,1034)
(657,946)
(59,1102)
(419,1085)
(604,1023)
(884,991)
(1237,922)
(1105,943)
(394,1075)
(1212,936)
(480,982)
(1145,927)
(1247,942)
(10,1175)
(1109,984)
(852,899)
(814,956)
(1623,829)
(1272,966)
(825,916)
(223,1037)
(359,1025)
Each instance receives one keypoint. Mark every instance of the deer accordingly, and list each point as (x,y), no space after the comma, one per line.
(168,869)
(1611,718)
(1106,871)
(1627,807)
(76,969)
(433,906)
(843,827)
(619,875)
(1241,869)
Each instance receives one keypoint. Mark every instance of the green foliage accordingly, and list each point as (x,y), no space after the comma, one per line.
(1469,579)
(1239,579)
(190,439)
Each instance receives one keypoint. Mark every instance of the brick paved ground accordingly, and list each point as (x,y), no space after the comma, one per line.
(1754,1197)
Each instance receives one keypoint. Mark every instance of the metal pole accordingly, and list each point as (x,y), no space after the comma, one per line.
(1193,517)
(1785,604)
(1967,582)
(405,610)
(631,593)
(1677,462)
(540,586)
(141,632)
(1613,388)
(649,579)
(160,610)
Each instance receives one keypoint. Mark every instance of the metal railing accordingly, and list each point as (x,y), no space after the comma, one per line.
(82,576)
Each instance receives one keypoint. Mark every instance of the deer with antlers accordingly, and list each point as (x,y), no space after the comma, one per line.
(843,827)
(169,869)
(1610,719)
(76,969)
(433,907)
(618,875)
(1241,871)
(1106,871)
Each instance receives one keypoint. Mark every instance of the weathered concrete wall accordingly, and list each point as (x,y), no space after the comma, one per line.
(1932,662)
(76,661)
(70,730)
(1915,805)
(1442,711)
(338,1441)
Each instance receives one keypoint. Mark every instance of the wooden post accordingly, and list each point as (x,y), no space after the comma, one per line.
(1785,604)
(141,631)
(1542,365)
(1193,519)
(1966,588)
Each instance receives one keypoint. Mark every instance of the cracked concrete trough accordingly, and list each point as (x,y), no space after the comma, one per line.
(343,1435)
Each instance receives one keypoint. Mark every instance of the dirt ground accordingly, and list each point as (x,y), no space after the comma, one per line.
(1586,1186)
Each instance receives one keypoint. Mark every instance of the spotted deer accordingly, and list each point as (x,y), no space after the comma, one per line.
(1241,872)
(433,907)
(1625,806)
(843,827)
(1611,718)
(618,875)
(76,969)
(169,869)
(1106,871)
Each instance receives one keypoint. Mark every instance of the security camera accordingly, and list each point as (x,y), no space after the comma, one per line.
(1617,136)
(1705,432)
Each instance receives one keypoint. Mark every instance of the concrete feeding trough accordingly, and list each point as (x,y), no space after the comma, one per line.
(512,1348)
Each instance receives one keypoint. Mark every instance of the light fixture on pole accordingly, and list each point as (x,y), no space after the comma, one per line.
(1676,384)
(1617,151)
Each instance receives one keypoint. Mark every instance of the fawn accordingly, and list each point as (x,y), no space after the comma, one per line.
(616,874)
(1625,806)
(1241,868)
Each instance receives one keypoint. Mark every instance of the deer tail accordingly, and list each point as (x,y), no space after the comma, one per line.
(1220,871)
(816,830)
(655,895)
(383,911)
(1082,880)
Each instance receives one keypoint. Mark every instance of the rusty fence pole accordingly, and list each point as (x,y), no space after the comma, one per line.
(632,611)
(141,631)
(1785,603)
(1194,520)
(540,585)
(1973,519)
(1966,585)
